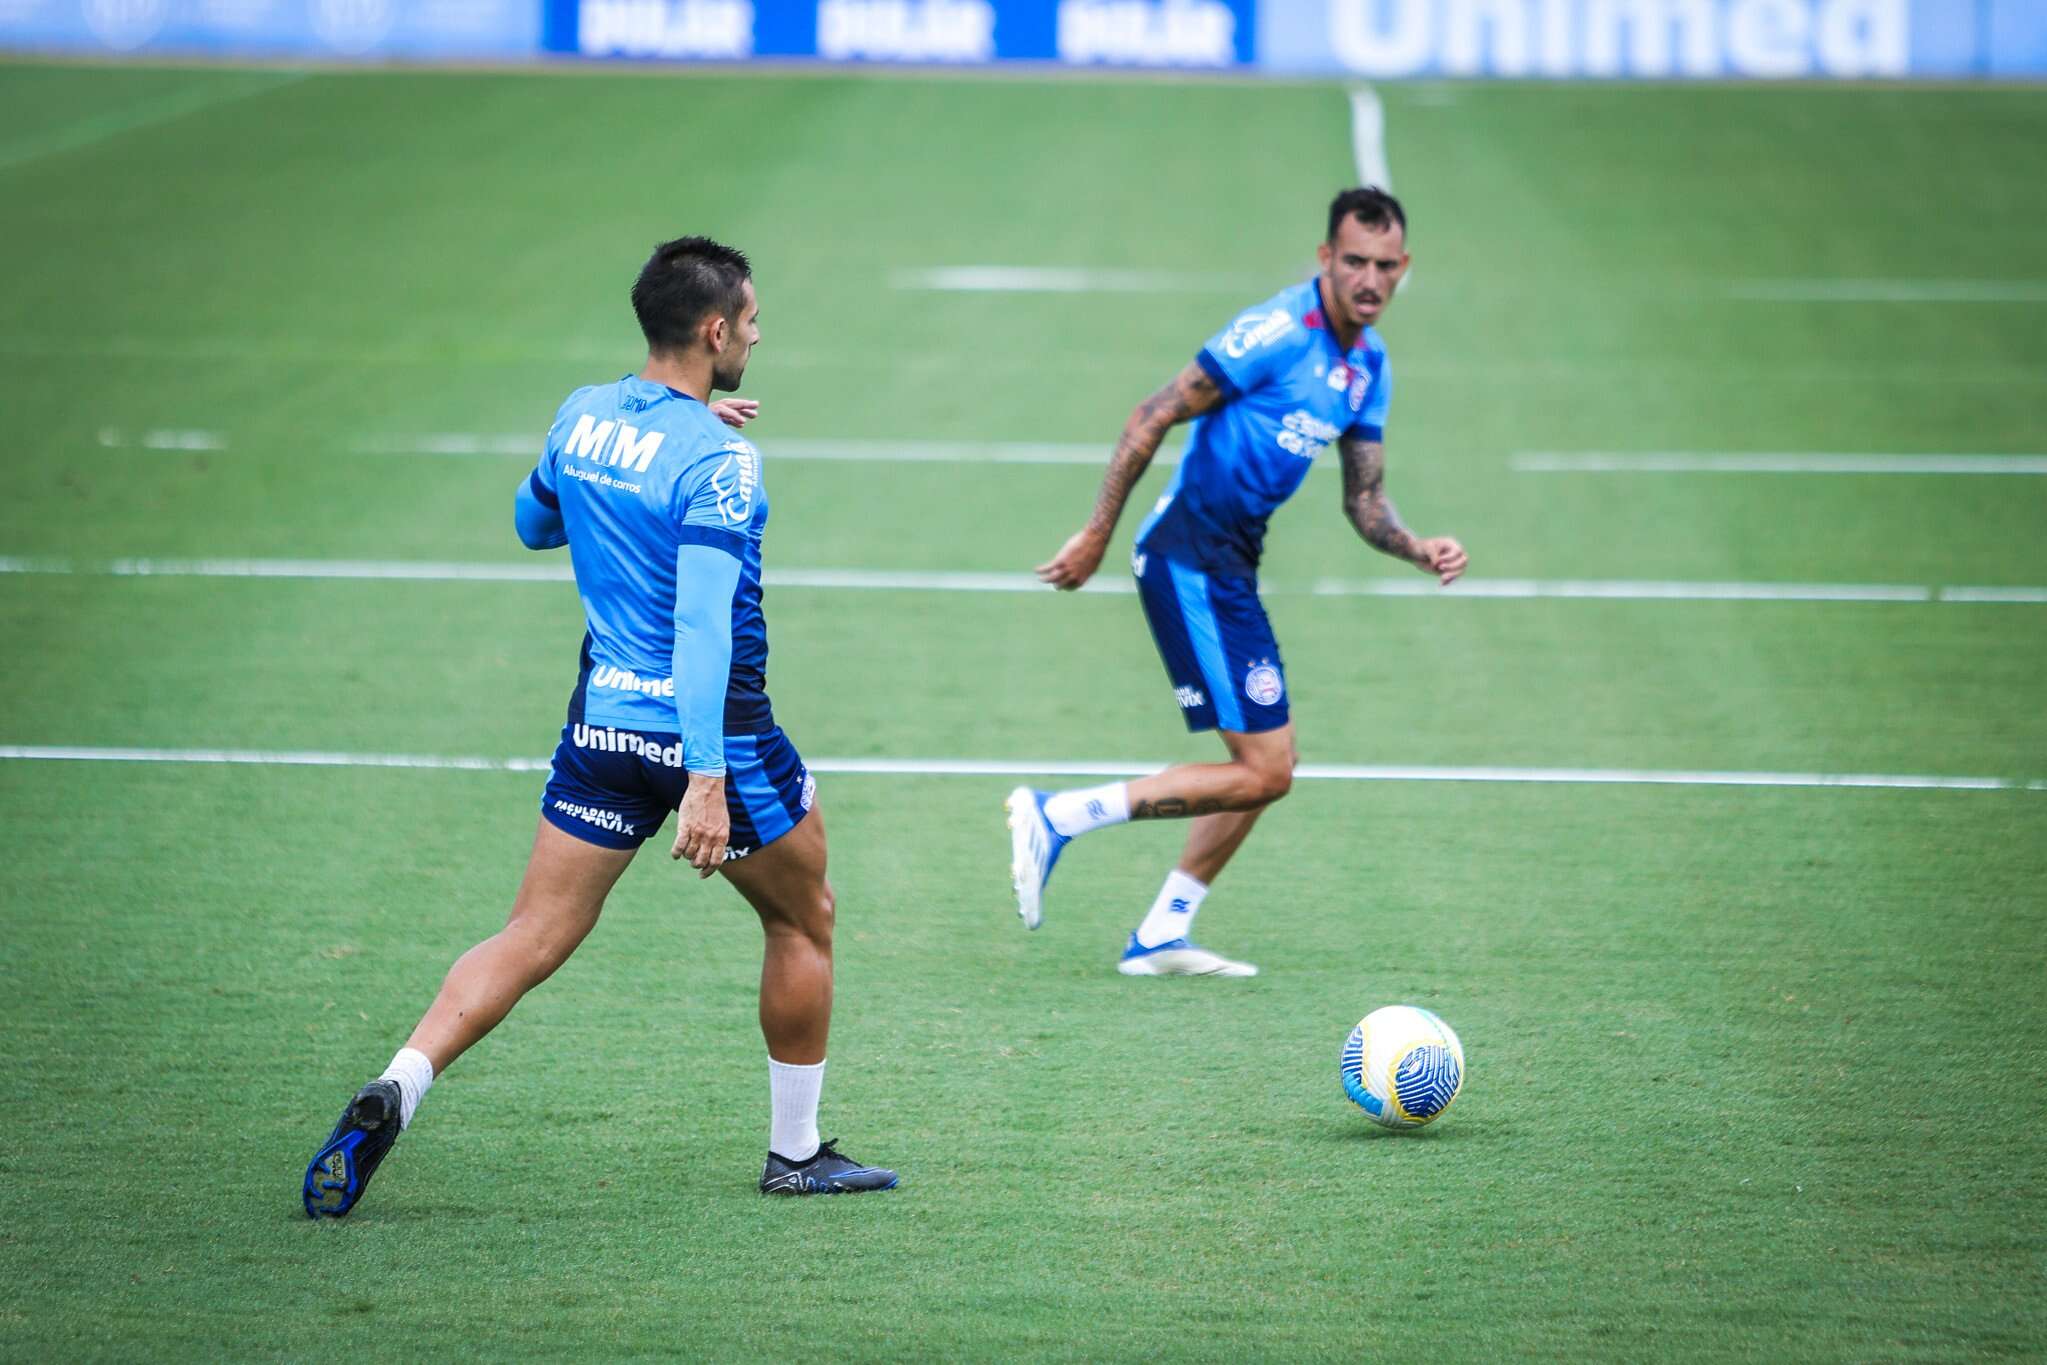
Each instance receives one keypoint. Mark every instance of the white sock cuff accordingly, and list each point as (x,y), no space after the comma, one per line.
(415,1076)
(793,1090)
(1184,885)
(1088,808)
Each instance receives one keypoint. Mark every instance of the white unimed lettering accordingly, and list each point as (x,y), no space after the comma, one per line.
(1147,32)
(616,679)
(906,30)
(665,28)
(612,741)
(612,442)
(1852,38)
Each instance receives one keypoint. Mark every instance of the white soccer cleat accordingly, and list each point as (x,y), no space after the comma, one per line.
(1034,848)
(1178,957)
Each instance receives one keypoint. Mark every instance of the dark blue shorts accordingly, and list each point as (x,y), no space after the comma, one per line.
(615,788)
(1217,645)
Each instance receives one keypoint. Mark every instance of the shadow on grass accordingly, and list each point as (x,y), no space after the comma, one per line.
(1363,1130)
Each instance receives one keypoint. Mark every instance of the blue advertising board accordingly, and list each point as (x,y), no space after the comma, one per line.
(315,28)
(1157,33)
(1376,39)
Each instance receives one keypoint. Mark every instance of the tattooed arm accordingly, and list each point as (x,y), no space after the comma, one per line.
(1378,524)
(1191,394)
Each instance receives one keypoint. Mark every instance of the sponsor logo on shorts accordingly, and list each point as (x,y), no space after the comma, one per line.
(809,796)
(1137,562)
(612,678)
(1264,685)
(610,741)
(1189,697)
(590,815)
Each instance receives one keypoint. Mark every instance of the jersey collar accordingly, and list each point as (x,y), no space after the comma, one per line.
(1317,320)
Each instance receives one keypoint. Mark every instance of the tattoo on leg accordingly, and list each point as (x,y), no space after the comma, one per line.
(1174,808)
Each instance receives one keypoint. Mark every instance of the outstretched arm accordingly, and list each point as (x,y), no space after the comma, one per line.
(1378,523)
(537,516)
(1191,393)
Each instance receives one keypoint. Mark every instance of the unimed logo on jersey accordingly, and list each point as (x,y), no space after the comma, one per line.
(612,678)
(612,443)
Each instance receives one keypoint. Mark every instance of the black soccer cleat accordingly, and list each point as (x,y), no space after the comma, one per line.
(342,1168)
(825,1173)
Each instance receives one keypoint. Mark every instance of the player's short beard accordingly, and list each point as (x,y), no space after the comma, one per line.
(726,381)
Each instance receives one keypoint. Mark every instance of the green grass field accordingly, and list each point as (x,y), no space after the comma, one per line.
(1755,1073)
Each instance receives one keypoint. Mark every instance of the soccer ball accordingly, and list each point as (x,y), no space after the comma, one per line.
(1402,1066)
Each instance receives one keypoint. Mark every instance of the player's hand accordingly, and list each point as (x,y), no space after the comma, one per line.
(1444,558)
(736,412)
(702,826)
(1076,561)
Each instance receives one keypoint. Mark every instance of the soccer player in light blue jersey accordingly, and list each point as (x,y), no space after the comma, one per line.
(662,509)
(1267,394)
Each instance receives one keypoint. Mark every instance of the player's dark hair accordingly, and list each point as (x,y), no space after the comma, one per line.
(1368,204)
(682,282)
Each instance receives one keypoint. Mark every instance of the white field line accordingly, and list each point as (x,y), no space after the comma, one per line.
(1368,138)
(1067,279)
(557,570)
(462,443)
(1766,462)
(969,767)
(1616,589)
(1890,291)
(877,451)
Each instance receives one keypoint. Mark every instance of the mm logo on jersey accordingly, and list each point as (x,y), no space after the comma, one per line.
(612,443)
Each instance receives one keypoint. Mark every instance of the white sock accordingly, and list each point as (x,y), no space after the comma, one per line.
(1077,812)
(414,1073)
(792,1099)
(1172,914)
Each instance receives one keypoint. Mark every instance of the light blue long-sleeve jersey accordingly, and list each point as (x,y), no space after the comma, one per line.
(663,510)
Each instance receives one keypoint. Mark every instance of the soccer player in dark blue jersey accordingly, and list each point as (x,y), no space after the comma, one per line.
(662,509)
(1285,380)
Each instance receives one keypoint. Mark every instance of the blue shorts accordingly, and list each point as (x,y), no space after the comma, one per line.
(1217,645)
(615,788)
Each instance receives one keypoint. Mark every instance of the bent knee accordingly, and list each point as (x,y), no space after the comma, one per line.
(1265,783)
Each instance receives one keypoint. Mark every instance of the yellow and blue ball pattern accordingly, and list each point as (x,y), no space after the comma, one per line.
(1402,1065)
